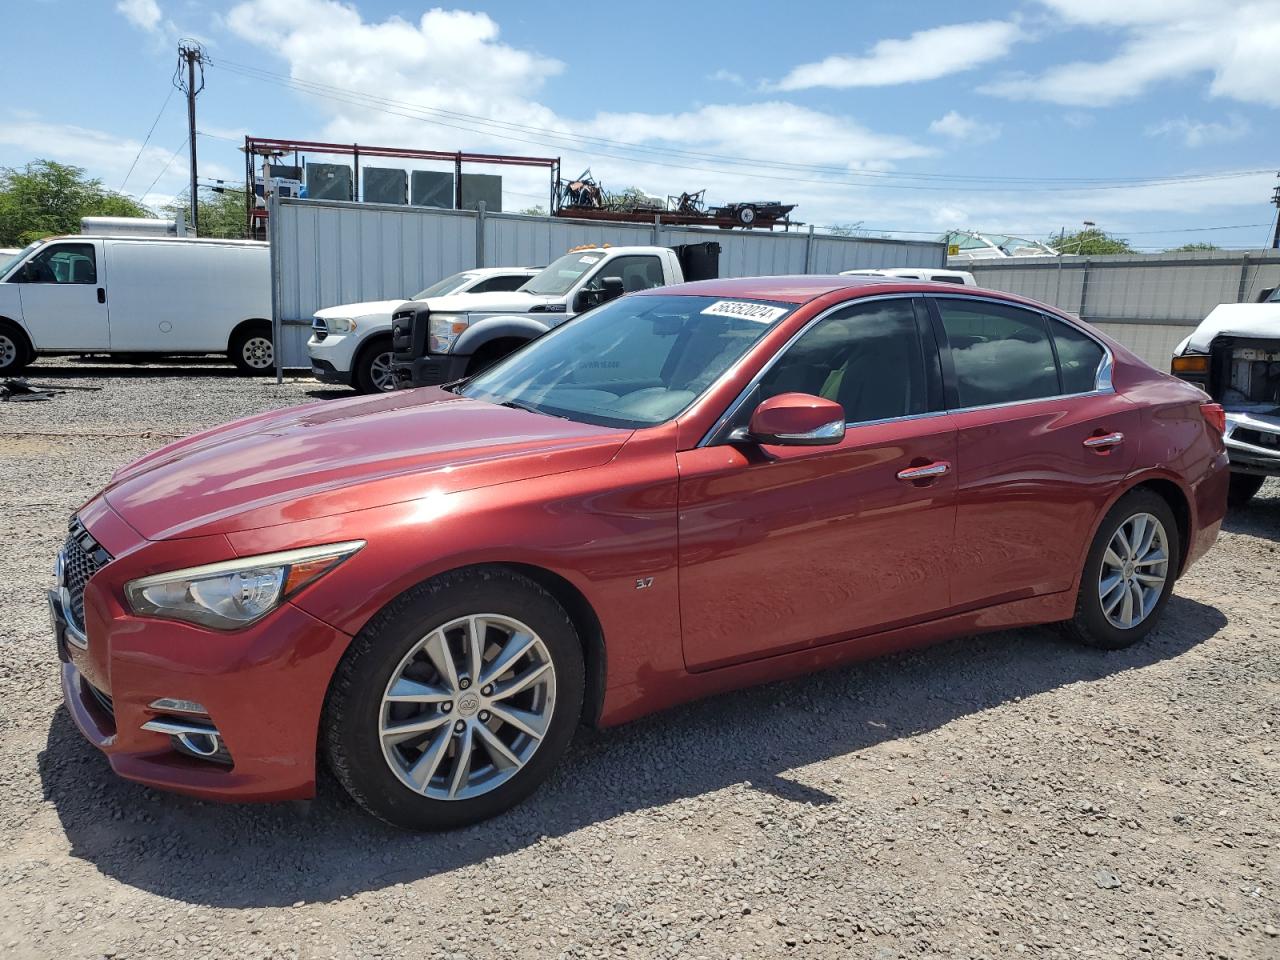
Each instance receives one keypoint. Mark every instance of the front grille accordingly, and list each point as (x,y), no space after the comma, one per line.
(82,557)
(1257,437)
(319,329)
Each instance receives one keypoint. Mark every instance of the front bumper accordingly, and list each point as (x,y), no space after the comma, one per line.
(263,689)
(429,371)
(334,355)
(1253,443)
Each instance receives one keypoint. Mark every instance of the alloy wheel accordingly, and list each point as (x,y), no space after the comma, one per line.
(467,707)
(1135,568)
(380,373)
(258,353)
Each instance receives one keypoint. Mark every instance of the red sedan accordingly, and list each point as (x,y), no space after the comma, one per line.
(684,491)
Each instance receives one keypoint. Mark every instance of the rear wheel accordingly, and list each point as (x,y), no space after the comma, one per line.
(1128,574)
(1243,488)
(373,373)
(251,349)
(14,355)
(456,701)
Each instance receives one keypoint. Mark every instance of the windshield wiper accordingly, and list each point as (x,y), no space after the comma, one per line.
(529,408)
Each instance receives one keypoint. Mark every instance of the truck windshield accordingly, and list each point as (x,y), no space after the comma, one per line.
(1275,296)
(9,261)
(442,288)
(559,276)
(633,362)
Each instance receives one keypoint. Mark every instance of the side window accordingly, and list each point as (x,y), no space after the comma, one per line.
(636,273)
(1079,357)
(867,358)
(1001,354)
(505,284)
(63,263)
(945,279)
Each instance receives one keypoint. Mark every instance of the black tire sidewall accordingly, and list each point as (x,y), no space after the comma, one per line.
(1243,487)
(362,370)
(24,353)
(236,353)
(1091,622)
(351,713)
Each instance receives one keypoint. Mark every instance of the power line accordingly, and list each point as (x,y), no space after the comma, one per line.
(172,157)
(542,136)
(146,140)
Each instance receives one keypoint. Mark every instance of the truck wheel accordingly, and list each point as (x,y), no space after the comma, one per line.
(747,216)
(1128,574)
(251,349)
(372,371)
(15,354)
(491,353)
(1242,488)
(456,701)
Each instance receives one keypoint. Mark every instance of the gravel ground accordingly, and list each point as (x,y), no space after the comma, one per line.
(991,797)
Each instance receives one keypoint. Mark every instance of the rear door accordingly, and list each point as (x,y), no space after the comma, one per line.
(63,293)
(1043,439)
(783,548)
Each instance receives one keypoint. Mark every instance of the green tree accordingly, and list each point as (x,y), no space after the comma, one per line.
(1091,240)
(221,212)
(1191,247)
(535,211)
(46,198)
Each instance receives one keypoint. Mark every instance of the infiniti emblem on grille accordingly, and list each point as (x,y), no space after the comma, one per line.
(468,704)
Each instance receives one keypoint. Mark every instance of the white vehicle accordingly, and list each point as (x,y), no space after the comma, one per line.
(1234,355)
(136,295)
(444,338)
(963,277)
(351,344)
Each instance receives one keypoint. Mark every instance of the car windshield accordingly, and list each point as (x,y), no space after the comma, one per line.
(1275,296)
(559,277)
(633,362)
(8,261)
(442,288)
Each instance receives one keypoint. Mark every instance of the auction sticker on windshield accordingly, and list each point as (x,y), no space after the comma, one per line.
(759,312)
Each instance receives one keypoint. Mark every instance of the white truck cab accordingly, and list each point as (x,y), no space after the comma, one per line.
(351,344)
(441,339)
(137,295)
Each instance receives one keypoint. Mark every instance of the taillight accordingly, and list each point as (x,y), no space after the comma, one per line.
(1215,415)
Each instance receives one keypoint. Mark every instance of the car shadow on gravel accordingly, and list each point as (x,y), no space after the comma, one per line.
(272,855)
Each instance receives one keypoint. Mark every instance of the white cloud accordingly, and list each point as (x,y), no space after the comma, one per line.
(925,55)
(1195,133)
(144,14)
(958,127)
(728,76)
(1233,41)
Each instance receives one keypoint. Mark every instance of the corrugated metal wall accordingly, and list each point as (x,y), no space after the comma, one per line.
(326,253)
(1149,302)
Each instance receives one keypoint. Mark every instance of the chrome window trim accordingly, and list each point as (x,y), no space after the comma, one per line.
(1102,379)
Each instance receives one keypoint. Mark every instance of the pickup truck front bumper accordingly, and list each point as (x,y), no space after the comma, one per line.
(1253,442)
(429,371)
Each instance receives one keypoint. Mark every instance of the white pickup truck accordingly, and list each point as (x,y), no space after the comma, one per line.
(1235,356)
(351,343)
(446,338)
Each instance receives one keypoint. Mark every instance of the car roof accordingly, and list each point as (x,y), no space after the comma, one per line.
(794,289)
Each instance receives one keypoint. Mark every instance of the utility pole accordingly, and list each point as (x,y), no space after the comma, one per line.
(1275,198)
(191,55)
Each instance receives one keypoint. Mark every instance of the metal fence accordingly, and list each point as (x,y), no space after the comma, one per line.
(1149,302)
(327,253)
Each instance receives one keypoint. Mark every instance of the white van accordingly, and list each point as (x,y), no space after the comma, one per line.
(86,294)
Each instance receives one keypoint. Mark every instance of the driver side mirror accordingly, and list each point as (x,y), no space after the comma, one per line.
(797,420)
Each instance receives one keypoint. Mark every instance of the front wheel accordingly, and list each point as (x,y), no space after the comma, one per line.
(456,701)
(373,373)
(251,350)
(1128,574)
(13,352)
(1243,487)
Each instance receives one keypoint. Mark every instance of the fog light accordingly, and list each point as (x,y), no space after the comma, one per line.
(200,740)
(172,705)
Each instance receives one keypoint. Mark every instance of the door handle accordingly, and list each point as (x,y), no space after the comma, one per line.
(102,295)
(927,471)
(1105,442)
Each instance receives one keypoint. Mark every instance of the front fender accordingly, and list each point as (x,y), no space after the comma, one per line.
(497,328)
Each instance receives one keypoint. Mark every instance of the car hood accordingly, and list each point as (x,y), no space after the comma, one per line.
(324,459)
(512,301)
(1260,320)
(365,309)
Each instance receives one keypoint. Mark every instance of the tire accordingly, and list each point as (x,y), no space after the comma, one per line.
(15,352)
(1243,487)
(372,372)
(747,216)
(491,353)
(251,349)
(403,644)
(1091,624)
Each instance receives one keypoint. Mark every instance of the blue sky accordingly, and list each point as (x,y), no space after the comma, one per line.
(909,117)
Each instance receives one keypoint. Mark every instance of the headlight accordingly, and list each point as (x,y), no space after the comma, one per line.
(235,593)
(340,324)
(443,330)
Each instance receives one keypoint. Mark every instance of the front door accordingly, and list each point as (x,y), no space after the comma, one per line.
(1043,441)
(64,297)
(783,548)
